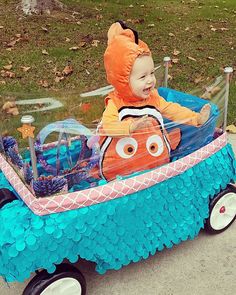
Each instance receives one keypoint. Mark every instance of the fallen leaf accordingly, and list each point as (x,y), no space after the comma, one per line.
(13,111)
(85,107)
(151,25)
(192,58)
(45,52)
(175,60)
(7,74)
(224,29)
(74,48)
(8,104)
(25,69)
(12,43)
(186,29)
(131,6)
(44,29)
(171,35)
(2,82)
(164,48)
(87,71)
(68,70)
(99,16)
(67,40)
(176,52)
(10,107)
(1,27)
(56,72)
(82,44)
(95,43)
(58,79)
(198,80)
(200,49)
(44,83)
(210,58)
(78,23)
(7,67)
(231,129)
(96,65)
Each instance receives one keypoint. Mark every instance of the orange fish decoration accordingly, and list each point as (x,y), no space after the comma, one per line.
(85,107)
(145,149)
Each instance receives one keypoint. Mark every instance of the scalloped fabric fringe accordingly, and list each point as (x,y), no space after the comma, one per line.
(114,233)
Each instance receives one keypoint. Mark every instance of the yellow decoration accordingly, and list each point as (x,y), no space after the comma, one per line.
(231,129)
(27,131)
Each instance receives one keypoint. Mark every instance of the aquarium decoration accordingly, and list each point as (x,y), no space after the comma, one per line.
(46,186)
(28,174)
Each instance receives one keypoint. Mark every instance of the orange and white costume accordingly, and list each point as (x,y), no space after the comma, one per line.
(123,153)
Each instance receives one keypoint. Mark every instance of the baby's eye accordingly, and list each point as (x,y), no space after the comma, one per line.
(142,77)
(126,147)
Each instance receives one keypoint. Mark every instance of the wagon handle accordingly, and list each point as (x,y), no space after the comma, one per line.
(166,61)
(228,71)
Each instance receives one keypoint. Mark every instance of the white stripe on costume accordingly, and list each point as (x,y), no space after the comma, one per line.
(126,112)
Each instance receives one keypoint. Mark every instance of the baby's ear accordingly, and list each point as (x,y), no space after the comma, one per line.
(115,29)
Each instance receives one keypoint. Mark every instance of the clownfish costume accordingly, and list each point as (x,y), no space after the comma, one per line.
(123,152)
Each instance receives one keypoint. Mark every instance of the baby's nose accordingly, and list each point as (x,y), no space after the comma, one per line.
(150,79)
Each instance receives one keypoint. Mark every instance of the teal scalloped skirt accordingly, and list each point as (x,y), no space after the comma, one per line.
(115,233)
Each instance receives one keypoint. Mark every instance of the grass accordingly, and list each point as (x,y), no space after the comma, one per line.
(198,29)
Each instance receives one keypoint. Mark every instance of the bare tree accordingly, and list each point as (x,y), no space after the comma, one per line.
(40,6)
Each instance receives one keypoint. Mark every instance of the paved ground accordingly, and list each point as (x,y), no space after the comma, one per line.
(204,266)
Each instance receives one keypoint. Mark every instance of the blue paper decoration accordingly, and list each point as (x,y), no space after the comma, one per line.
(115,233)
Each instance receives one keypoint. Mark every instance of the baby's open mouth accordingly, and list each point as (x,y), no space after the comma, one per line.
(147,90)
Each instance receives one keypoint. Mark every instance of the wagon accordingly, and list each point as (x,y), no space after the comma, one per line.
(53,209)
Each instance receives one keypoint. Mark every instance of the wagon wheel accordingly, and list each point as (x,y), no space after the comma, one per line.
(222,211)
(66,280)
(6,196)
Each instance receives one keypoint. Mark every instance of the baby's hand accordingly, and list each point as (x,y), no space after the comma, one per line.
(140,123)
(204,114)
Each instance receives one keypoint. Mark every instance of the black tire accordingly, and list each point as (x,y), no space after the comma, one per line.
(43,280)
(6,196)
(217,206)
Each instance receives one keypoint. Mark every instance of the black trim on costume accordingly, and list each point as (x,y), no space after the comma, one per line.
(124,26)
(101,164)
(139,108)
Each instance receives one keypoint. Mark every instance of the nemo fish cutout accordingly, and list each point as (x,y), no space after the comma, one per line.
(147,148)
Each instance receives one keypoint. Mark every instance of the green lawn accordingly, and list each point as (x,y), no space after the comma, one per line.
(202,30)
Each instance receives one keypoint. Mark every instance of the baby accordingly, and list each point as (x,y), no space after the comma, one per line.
(133,135)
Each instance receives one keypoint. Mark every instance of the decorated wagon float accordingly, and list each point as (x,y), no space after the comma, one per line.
(54,205)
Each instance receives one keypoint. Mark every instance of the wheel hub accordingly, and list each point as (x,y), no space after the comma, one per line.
(222,209)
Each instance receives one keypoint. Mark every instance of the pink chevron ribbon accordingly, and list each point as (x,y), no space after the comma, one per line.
(112,190)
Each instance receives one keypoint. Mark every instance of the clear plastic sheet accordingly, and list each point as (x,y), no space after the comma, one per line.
(71,150)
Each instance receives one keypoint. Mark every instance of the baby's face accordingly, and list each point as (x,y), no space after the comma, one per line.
(142,79)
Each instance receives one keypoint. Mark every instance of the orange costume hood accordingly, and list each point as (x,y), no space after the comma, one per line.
(122,50)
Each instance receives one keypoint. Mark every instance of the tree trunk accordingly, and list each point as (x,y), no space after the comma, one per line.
(40,6)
